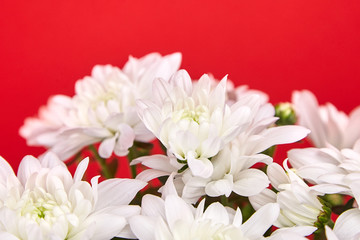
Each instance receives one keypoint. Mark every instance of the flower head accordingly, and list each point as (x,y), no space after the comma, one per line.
(45,202)
(299,204)
(102,110)
(171,217)
(193,122)
(329,169)
(232,170)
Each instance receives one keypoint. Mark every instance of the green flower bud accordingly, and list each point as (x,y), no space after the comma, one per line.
(285,113)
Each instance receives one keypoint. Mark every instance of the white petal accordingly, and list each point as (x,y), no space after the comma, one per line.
(51,160)
(125,140)
(346,225)
(201,167)
(28,166)
(220,187)
(176,209)
(216,213)
(277,175)
(237,218)
(153,206)
(261,220)
(143,227)
(114,192)
(281,135)
(306,107)
(107,146)
(250,182)
(309,156)
(169,187)
(150,174)
(210,147)
(5,171)
(261,199)
(182,79)
(158,161)
(330,235)
(108,226)
(80,170)
(331,189)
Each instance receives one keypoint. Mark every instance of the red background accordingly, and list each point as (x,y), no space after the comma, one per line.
(271,45)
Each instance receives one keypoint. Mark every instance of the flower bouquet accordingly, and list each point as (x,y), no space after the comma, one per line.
(200,155)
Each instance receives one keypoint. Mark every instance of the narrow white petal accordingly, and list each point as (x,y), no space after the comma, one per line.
(331,189)
(261,220)
(176,209)
(220,187)
(307,108)
(158,161)
(28,166)
(201,167)
(237,218)
(5,171)
(107,146)
(310,156)
(250,182)
(277,175)
(108,226)
(143,227)
(216,213)
(182,79)
(150,174)
(330,235)
(125,140)
(80,170)
(169,187)
(114,192)
(153,206)
(261,199)
(281,135)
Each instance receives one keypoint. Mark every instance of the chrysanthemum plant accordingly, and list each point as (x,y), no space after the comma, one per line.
(211,174)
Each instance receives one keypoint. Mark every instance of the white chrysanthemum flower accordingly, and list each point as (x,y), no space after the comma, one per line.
(193,122)
(232,172)
(104,108)
(171,218)
(299,204)
(331,170)
(327,124)
(45,202)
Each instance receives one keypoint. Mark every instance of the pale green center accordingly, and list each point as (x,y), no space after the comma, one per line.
(198,114)
(39,206)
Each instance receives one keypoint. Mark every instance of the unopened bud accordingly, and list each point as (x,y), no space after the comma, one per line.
(286,114)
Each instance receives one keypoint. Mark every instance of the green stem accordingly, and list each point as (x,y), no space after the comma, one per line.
(224,200)
(139,149)
(76,159)
(133,171)
(102,161)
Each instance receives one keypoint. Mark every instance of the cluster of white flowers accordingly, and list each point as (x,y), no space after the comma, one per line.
(220,179)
